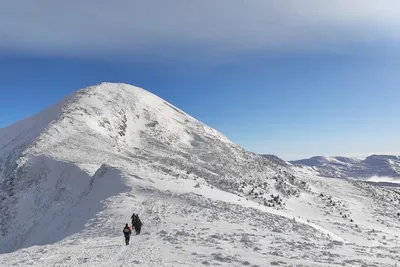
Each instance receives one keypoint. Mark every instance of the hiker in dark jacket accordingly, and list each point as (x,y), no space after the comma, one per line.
(134,217)
(136,223)
(127,233)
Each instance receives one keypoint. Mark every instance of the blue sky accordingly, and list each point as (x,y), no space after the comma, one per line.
(319,81)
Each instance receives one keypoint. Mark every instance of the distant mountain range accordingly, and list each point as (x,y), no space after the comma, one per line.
(343,167)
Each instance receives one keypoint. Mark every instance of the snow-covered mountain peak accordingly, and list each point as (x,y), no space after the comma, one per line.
(56,156)
(109,116)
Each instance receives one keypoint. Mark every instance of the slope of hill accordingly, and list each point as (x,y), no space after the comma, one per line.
(71,176)
(118,125)
(277,160)
(343,167)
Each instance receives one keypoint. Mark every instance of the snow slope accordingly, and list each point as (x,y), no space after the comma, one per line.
(71,177)
(343,167)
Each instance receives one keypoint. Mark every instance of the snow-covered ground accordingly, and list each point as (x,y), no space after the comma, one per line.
(110,150)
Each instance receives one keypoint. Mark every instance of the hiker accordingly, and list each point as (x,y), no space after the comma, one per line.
(134,217)
(127,233)
(136,223)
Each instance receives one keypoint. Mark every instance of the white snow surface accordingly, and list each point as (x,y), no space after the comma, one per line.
(71,176)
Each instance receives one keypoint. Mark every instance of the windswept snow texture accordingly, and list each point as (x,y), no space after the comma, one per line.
(342,167)
(71,177)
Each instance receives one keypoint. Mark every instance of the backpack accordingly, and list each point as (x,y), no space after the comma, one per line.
(127,230)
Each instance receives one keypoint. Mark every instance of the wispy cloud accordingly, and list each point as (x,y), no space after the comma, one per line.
(125,27)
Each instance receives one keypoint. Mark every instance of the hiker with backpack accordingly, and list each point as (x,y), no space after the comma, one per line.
(137,223)
(127,233)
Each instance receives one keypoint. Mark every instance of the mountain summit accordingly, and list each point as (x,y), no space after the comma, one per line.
(54,157)
(72,175)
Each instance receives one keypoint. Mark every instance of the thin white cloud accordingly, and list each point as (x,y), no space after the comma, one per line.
(94,27)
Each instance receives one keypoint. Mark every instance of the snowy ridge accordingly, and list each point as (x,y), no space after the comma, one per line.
(86,164)
(17,137)
(343,167)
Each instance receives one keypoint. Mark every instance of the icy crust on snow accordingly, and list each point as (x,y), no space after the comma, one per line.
(114,149)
